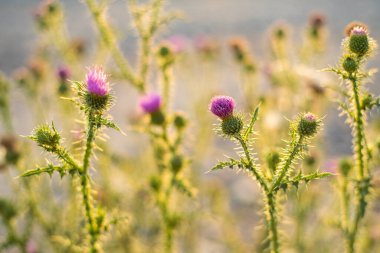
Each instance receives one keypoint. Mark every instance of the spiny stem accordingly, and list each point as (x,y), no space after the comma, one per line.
(359,137)
(166,85)
(86,187)
(290,159)
(251,166)
(272,221)
(109,39)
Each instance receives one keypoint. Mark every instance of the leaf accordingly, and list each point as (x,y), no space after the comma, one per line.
(107,123)
(49,169)
(230,164)
(183,186)
(252,123)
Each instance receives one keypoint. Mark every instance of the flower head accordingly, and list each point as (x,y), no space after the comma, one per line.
(222,106)
(358,30)
(96,80)
(178,43)
(63,73)
(308,125)
(150,103)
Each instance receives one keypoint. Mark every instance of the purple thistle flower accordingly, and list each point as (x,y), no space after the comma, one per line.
(63,73)
(96,80)
(359,30)
(222,106)
(150,103)
(310,117)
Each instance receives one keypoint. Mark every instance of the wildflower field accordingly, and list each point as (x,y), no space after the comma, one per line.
(138,134)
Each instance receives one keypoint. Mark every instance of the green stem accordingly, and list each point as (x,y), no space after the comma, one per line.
(86,187)
(166,85)
(292,155)
(251,166)
(272,222)
(109,40)
(359,138)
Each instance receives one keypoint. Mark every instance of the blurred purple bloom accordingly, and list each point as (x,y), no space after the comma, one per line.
(309,117)
(222,106)
(63,73)
(150,103)
(178,43)
(31,247)
(96,80)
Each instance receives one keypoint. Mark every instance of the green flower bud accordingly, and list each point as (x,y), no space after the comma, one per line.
(358,41)
(273,159)
(349,64)
(232,125)
(155,183)
(345,166)
(46,137)
(176,163)
(157,118)
(308,125)
(180,121)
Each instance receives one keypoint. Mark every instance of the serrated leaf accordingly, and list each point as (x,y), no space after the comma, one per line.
(48,169)
(252,123)
(230,164)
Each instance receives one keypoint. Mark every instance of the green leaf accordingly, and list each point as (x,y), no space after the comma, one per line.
(184,186)
(107,123)
(230,164)
(252,123)
(49,169)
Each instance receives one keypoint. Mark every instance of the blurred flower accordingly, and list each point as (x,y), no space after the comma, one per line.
(31,247)
(178,43)
(222,106)
(63,73)
(206,46)
(96,80)
(150,103)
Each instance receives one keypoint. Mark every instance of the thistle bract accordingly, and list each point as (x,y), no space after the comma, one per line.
(358,42)
(308,125)
(222,106)
(46,137)
(349,64)
(232,125)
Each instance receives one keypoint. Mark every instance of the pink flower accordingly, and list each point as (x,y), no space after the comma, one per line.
(150,103)
(359,30)
(178,43)
(222,106)
(96,80)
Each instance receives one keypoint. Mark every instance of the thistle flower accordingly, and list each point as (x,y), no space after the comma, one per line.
(308,125)
(222,106)
(63,73)
(358,40)
(178,43)
(96,80)
(150,103)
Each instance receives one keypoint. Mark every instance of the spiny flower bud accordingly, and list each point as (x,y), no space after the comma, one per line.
(179,121)
(358,41)
(98,88)
(232,125)
(308,125)
(46,137)
(349,64)
(165,54)
(176,163)
(222,106)
(345,166)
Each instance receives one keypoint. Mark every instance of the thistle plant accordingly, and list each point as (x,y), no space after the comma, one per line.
(94,100)
(358,47)
(281,174)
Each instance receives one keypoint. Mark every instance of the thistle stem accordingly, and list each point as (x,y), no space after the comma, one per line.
(110,41)
(251,166)
(288,162)
(86,187)
(272,221)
